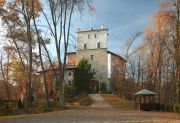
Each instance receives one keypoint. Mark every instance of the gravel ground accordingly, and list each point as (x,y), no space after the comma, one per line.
(91,115)
(94,114)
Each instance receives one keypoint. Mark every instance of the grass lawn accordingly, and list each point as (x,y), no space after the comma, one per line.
(119,103)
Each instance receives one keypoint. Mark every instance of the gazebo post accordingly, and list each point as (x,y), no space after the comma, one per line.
(141,99)
(144,99)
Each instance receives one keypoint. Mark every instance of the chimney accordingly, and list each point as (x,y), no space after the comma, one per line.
(102,27)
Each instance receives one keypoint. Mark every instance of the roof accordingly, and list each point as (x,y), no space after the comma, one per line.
(116,55)
(90,30)
(145,92)
(71,53)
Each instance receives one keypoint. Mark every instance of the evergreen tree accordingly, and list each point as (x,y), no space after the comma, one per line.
(83,74)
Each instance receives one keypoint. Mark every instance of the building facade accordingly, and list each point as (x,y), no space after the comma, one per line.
(92,45)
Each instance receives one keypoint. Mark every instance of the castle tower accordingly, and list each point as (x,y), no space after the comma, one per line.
(92,45)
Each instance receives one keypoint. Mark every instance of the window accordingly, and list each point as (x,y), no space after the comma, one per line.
(69,82)
(88,36)
(94,35)
(70,74)
(85,46)
(91,57)
(98,45)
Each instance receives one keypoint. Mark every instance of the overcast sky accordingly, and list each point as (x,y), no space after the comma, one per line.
(123,18)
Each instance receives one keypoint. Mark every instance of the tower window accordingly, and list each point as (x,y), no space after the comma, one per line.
(88,36)
(85,46)
(91,57)
(98,45)
(94,35)
(70,73)
(69,82)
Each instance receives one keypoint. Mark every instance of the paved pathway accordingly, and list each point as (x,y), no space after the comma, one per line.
(99,112)
(98,101)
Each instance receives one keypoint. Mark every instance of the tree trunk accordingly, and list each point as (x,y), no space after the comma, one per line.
(41,60)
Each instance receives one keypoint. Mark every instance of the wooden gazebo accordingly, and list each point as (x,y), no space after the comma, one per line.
(144,100)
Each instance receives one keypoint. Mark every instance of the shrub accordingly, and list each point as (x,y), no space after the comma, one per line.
(176,108)
(20,105)
(103,87)
(69,92)
(171,107)
(167,107)
(162,107)
(157,106)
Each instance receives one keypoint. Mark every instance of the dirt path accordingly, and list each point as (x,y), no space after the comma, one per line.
(98,101)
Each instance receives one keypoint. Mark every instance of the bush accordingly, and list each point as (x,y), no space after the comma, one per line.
(103,87)
(171,107)
(162,107)
(176,108)
(157,106)
(69,92)
(20,104)
(168,107)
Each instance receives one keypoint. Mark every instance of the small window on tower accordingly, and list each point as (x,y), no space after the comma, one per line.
(85,46)
(94,35)
(69,82)
(70,73)
(88,36)
(91,57)
(98,45)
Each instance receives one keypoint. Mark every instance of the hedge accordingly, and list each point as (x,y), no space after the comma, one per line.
(167,107)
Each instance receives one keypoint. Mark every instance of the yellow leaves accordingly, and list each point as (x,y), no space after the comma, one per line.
(19,72)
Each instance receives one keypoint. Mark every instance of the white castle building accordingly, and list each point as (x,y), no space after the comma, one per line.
(92,45)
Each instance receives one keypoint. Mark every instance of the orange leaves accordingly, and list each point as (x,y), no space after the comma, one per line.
(12,17)
(30,6)
(164,21)
(2,2)
(8,48)
(148,31)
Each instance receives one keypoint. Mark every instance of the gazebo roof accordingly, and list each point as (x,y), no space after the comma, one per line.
(145,92)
